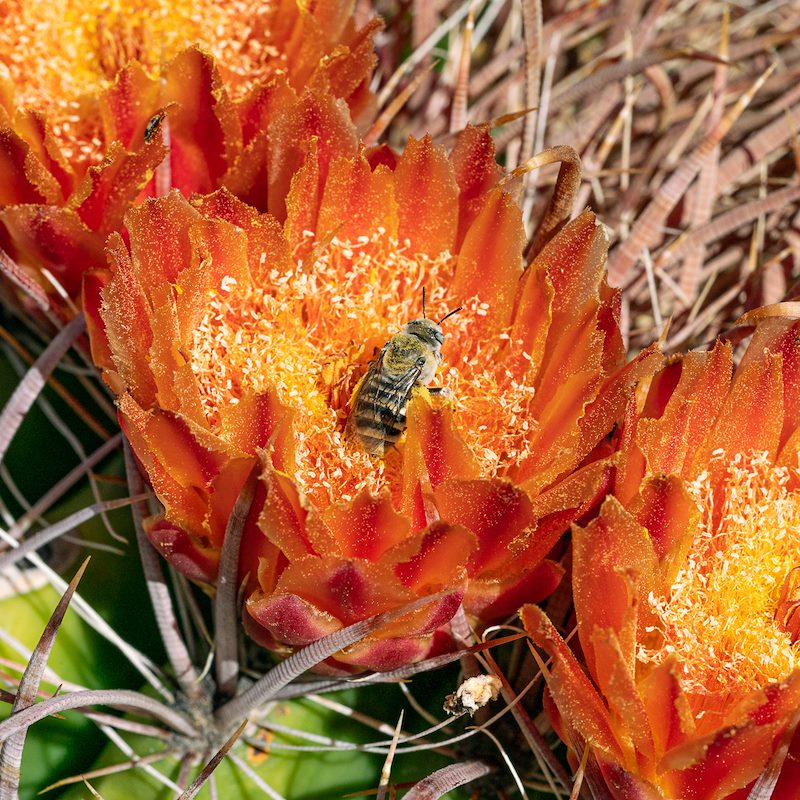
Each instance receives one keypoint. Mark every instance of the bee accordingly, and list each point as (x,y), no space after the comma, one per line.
(410,358)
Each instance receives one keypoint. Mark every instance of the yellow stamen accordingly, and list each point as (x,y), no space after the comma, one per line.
(311,335)
(722,615)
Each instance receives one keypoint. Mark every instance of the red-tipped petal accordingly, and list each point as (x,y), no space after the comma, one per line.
(720,764)
(108,189)
(357,201)
(161,245)
(318,118)
(576,698)
(497,598)
(433,558)
(54,239)
(618,685)
(205,133)
(671,441)
(666,510)
(477,173)
(489,262)
(497,513)
(668,711)
(125,313)
(427,198)
(185,553)
(128,105)
(614,566)
(25,180)
(751,418)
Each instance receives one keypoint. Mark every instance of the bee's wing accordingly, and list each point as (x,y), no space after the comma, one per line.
(403,385)
(392,406)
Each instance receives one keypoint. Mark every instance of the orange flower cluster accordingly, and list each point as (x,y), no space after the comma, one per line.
(235,315)
(199,94)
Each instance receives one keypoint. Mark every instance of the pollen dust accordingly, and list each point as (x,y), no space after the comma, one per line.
(310,334)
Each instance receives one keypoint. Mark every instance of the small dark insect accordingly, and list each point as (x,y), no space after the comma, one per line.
(153,125)
(408,359)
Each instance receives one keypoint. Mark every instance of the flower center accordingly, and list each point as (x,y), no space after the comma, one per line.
(730,616)
(311,335)
(56,53)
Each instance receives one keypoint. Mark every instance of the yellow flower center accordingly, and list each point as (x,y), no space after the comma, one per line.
(728,616)
(54,53)
(311,335)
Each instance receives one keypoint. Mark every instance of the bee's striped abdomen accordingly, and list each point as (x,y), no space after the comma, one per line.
(379,414)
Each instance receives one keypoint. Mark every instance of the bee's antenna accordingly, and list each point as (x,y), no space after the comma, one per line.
(423,304)
(450,314)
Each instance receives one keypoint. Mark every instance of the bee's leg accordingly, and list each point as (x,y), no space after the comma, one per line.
(441,391)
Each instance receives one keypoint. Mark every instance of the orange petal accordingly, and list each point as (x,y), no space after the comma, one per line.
(257,422)
(433,558)
(126,317)
(25,180)
(434,452)
(267,246)
(34,129)
(161,245)
(353,68)
(627,785)
(128,105)
(175,383)
(568,500)
(489,262)
(783,338)
(497,513)
(318,118)
(365,527)
(666,510)
(94,283)
(532,320)
(577,700)
(302,203)
(108,189)
(284,517)
(617,684)
(55,239)
(575,260)
(670,442)
(260,105)
(671,719)
(427,198)
(720,763)
(477,172)
(182,461)
(614,570)
(496,599)
(248,175)
(357,201)
(751,418)
(204,130)
(617,388)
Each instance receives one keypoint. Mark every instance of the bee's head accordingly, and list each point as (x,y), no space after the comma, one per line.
(427,330)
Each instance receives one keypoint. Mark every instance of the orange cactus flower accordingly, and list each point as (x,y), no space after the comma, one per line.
(200,90)
(686,585)
(230,338)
